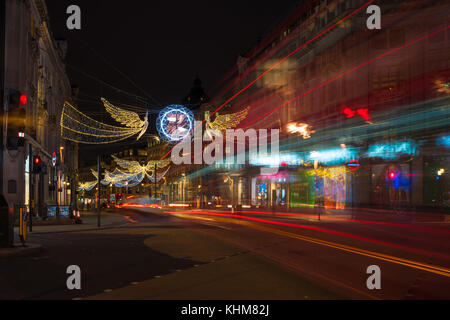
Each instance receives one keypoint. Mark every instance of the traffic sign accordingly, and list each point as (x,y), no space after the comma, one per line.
(353,165)
(54,159)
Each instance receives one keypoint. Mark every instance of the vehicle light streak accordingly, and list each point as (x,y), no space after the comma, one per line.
(323,230)
(397,260)
(347,72)
(384,223)
(273,67)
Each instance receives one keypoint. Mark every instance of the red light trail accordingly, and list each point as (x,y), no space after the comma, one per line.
(273,67)
(323,230)
(385,223)
(347,72)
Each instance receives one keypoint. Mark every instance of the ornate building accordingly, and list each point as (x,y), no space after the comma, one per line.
(35,66)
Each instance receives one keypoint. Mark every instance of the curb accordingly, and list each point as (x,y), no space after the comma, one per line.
(18,251)
(82,230)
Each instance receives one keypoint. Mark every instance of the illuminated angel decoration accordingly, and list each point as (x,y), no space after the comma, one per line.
(80,128)
(87,186)
(134,166)
(225,121)
(128,118)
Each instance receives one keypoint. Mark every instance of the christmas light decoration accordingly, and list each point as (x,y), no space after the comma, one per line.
(80,128)
(174,123)
(226,121)
(128,118)
(302,129)
(87,186)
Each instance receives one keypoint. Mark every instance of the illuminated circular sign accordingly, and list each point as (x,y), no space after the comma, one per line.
(174,123)
(54,159)
(353,165)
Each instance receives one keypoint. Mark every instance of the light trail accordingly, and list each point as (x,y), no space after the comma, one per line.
(323,230)
(372,254)
(347,72)
(273,67)
(384,223)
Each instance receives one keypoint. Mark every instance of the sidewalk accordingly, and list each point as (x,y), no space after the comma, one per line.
(108,220)
(20,251)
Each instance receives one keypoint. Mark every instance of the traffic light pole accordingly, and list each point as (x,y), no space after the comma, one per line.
(31,185)
(99,172)
(155,181)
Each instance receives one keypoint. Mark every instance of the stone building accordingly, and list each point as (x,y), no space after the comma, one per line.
(35,66)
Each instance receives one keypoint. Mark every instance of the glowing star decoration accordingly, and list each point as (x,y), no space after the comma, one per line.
(302,129)
(80,128)
(174,123)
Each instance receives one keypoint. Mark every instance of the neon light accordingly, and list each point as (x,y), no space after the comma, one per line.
(333,156)
(443,141)
(392,150)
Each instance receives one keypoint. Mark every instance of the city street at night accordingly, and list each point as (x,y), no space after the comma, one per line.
(225,160)
(188,254)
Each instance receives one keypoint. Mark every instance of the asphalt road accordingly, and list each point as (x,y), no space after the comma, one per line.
(185,254)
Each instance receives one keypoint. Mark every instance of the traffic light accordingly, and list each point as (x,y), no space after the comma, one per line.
(392,175)
(16,119)
(37,164)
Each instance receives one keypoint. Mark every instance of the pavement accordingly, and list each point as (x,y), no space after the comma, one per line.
(109,219)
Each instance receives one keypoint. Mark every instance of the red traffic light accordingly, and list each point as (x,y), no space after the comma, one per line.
(392,175)
(37,161)
(23,99)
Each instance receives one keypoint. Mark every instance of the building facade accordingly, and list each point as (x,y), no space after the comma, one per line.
(377,103)
(35,66)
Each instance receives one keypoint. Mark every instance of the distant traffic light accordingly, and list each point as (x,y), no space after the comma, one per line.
(37,164)
(16,119)
(392,175)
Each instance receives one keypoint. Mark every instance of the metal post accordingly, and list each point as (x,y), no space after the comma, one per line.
(155,180)
(98,192)
(31,184)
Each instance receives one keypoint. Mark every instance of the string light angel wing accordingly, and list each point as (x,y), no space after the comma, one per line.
(129,165)
(227,121)
(159,176)
(87,186)
(159,164)
(128,118)
(80,128)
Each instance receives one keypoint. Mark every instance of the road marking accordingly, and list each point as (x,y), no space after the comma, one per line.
(405,262)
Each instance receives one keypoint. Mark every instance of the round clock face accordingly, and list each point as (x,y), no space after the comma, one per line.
(174,123)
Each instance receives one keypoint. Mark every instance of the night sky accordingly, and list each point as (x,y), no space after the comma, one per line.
(159,45)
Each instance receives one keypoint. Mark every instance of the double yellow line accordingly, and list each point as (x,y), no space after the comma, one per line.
(376,255)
